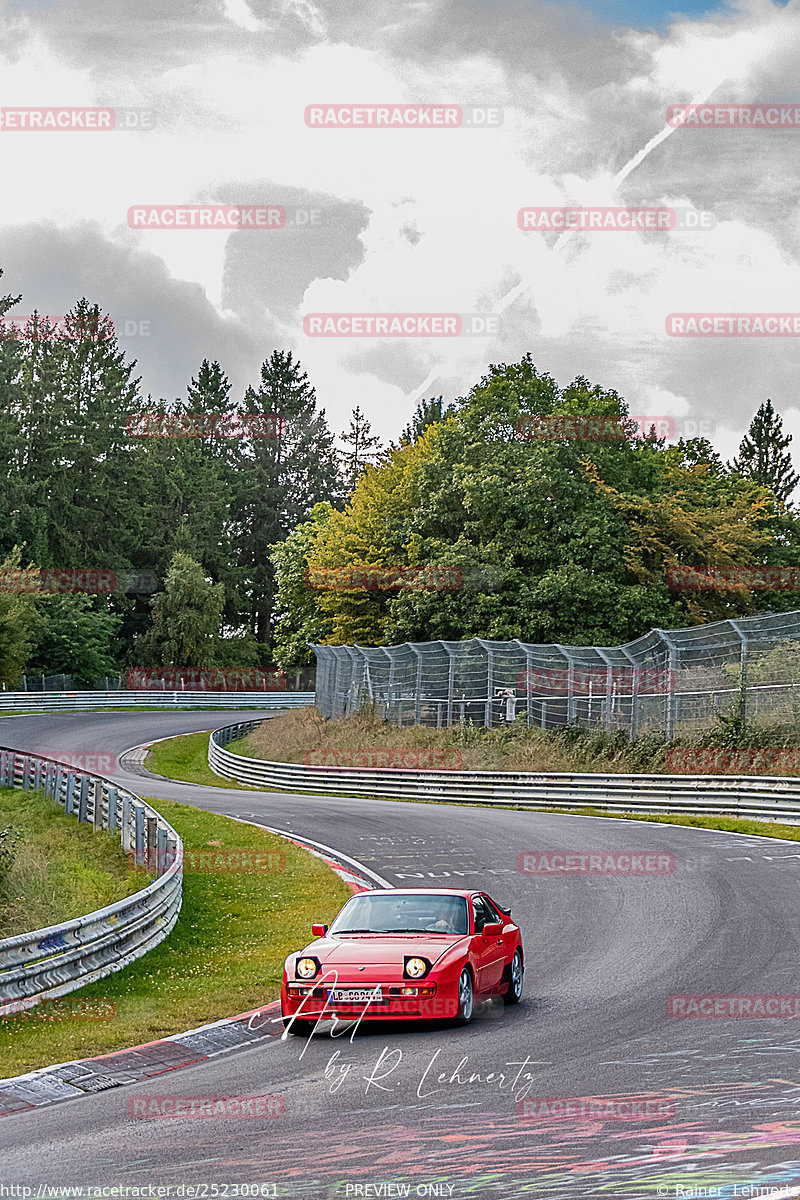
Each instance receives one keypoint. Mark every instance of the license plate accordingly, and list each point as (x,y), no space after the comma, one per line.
(354,995)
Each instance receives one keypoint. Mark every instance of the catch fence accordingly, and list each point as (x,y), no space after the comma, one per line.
(672,680)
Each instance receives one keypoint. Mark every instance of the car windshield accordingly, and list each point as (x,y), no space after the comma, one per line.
(418,913)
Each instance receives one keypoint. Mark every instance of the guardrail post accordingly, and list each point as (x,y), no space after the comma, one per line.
(161,849)
(127,832)
(83,800)
(97,804)
(113,798)
(152,835)
(26,781)
(38,767)
(139,847)
(4,768)
(69,799)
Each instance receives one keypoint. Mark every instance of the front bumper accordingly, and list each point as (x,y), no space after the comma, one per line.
(315,1003)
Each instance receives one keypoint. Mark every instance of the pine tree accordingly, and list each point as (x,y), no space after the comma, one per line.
(427,413)
(364,448)
(186,619)
(279,479)
(763,455)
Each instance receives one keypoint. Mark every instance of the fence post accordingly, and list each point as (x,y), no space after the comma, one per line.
(669,721)
(418,688)
(487,718)
(570,682)
(637,676)
(743,665)
(26,782)
(451,683)
(609,688)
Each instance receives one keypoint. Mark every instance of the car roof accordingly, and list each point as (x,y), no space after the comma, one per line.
(421,891)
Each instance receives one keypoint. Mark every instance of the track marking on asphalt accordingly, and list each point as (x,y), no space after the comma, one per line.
(300,837)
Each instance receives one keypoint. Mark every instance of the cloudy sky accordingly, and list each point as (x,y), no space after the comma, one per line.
(414,220)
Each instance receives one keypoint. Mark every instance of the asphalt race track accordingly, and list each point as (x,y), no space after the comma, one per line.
(447,1111)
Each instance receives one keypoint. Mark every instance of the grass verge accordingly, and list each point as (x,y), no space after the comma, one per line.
(186,757)
(60,869)
(173,758)
(224,956)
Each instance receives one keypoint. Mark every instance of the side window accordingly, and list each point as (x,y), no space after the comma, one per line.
(494,911)
(482,913)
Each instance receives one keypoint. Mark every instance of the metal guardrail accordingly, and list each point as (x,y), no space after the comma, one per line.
(86,701)
(53,961)
(775,798)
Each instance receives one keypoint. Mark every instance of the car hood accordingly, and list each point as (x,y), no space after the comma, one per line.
(381,949)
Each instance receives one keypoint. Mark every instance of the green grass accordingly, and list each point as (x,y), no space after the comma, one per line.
(224,956)
(61,869)
(186,757)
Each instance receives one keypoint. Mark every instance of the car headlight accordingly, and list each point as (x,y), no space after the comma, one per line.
(307,968)
(416,967)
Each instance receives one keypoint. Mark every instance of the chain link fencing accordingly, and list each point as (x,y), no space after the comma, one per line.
(673,680)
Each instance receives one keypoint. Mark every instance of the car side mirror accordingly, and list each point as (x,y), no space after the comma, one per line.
(492,929)
(319,930)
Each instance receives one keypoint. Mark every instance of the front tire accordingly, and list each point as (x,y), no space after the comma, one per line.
(516,972)
(466,998)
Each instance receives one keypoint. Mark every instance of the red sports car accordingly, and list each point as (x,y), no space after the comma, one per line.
(404,954)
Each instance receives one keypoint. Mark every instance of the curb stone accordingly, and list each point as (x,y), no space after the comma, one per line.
(82,1077)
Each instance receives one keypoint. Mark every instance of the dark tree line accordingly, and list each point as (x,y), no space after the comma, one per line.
(92,475)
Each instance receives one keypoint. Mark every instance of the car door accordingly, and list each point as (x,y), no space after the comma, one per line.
(489,952)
